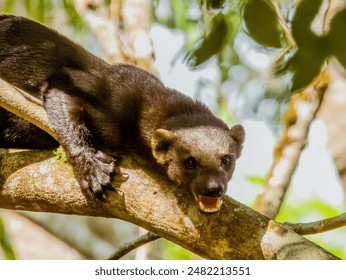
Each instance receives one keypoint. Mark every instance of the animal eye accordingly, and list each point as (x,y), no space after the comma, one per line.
(226,160)
(190,163)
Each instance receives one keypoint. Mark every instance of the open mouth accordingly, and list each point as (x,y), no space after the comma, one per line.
(209,204)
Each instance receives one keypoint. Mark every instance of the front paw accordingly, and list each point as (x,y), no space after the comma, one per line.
(95,173)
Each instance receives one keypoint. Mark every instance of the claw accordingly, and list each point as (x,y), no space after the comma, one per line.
(121,177)
(97,174)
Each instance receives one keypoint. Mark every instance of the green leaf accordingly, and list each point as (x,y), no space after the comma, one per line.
(261,23)
(307,63)
(336,37)
(301,23)
(212,44)
(256,180)
(312,50)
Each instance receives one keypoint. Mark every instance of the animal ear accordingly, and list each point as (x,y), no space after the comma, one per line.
(237,133)
(160,143)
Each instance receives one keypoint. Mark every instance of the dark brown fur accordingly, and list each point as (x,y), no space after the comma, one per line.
(96,108)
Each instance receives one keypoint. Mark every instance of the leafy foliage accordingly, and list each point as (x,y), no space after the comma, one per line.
(313,50)
(336,38)
(261,23)
(212,43)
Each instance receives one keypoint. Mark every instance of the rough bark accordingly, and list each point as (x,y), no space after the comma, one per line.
(236,232)
(14,101)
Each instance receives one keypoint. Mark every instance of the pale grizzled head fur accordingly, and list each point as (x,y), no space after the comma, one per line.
(201,158)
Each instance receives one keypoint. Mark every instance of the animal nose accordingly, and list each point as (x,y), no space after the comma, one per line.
(214,189)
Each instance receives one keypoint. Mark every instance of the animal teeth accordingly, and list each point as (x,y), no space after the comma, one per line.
(209,204)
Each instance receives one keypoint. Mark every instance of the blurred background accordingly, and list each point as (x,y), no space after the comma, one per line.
(238,58)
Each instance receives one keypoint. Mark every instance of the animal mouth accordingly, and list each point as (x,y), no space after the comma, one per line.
(209,204)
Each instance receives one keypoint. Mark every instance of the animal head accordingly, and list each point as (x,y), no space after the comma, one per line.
(201,158)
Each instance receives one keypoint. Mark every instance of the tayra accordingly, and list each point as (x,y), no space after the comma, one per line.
(98,109)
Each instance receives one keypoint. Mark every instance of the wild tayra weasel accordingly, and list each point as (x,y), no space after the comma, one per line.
(97,109)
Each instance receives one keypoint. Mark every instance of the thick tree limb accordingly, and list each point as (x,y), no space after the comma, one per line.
(36,181)
(236,232)
(14,101)
(319,226)
(301,111)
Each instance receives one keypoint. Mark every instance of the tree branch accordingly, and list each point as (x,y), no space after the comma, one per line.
(128,247)
(319,226)
(283,25)
(137,24)
(13,100)
(236,232)
(133,45)
(301,111)
(42,183)
(104,25)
